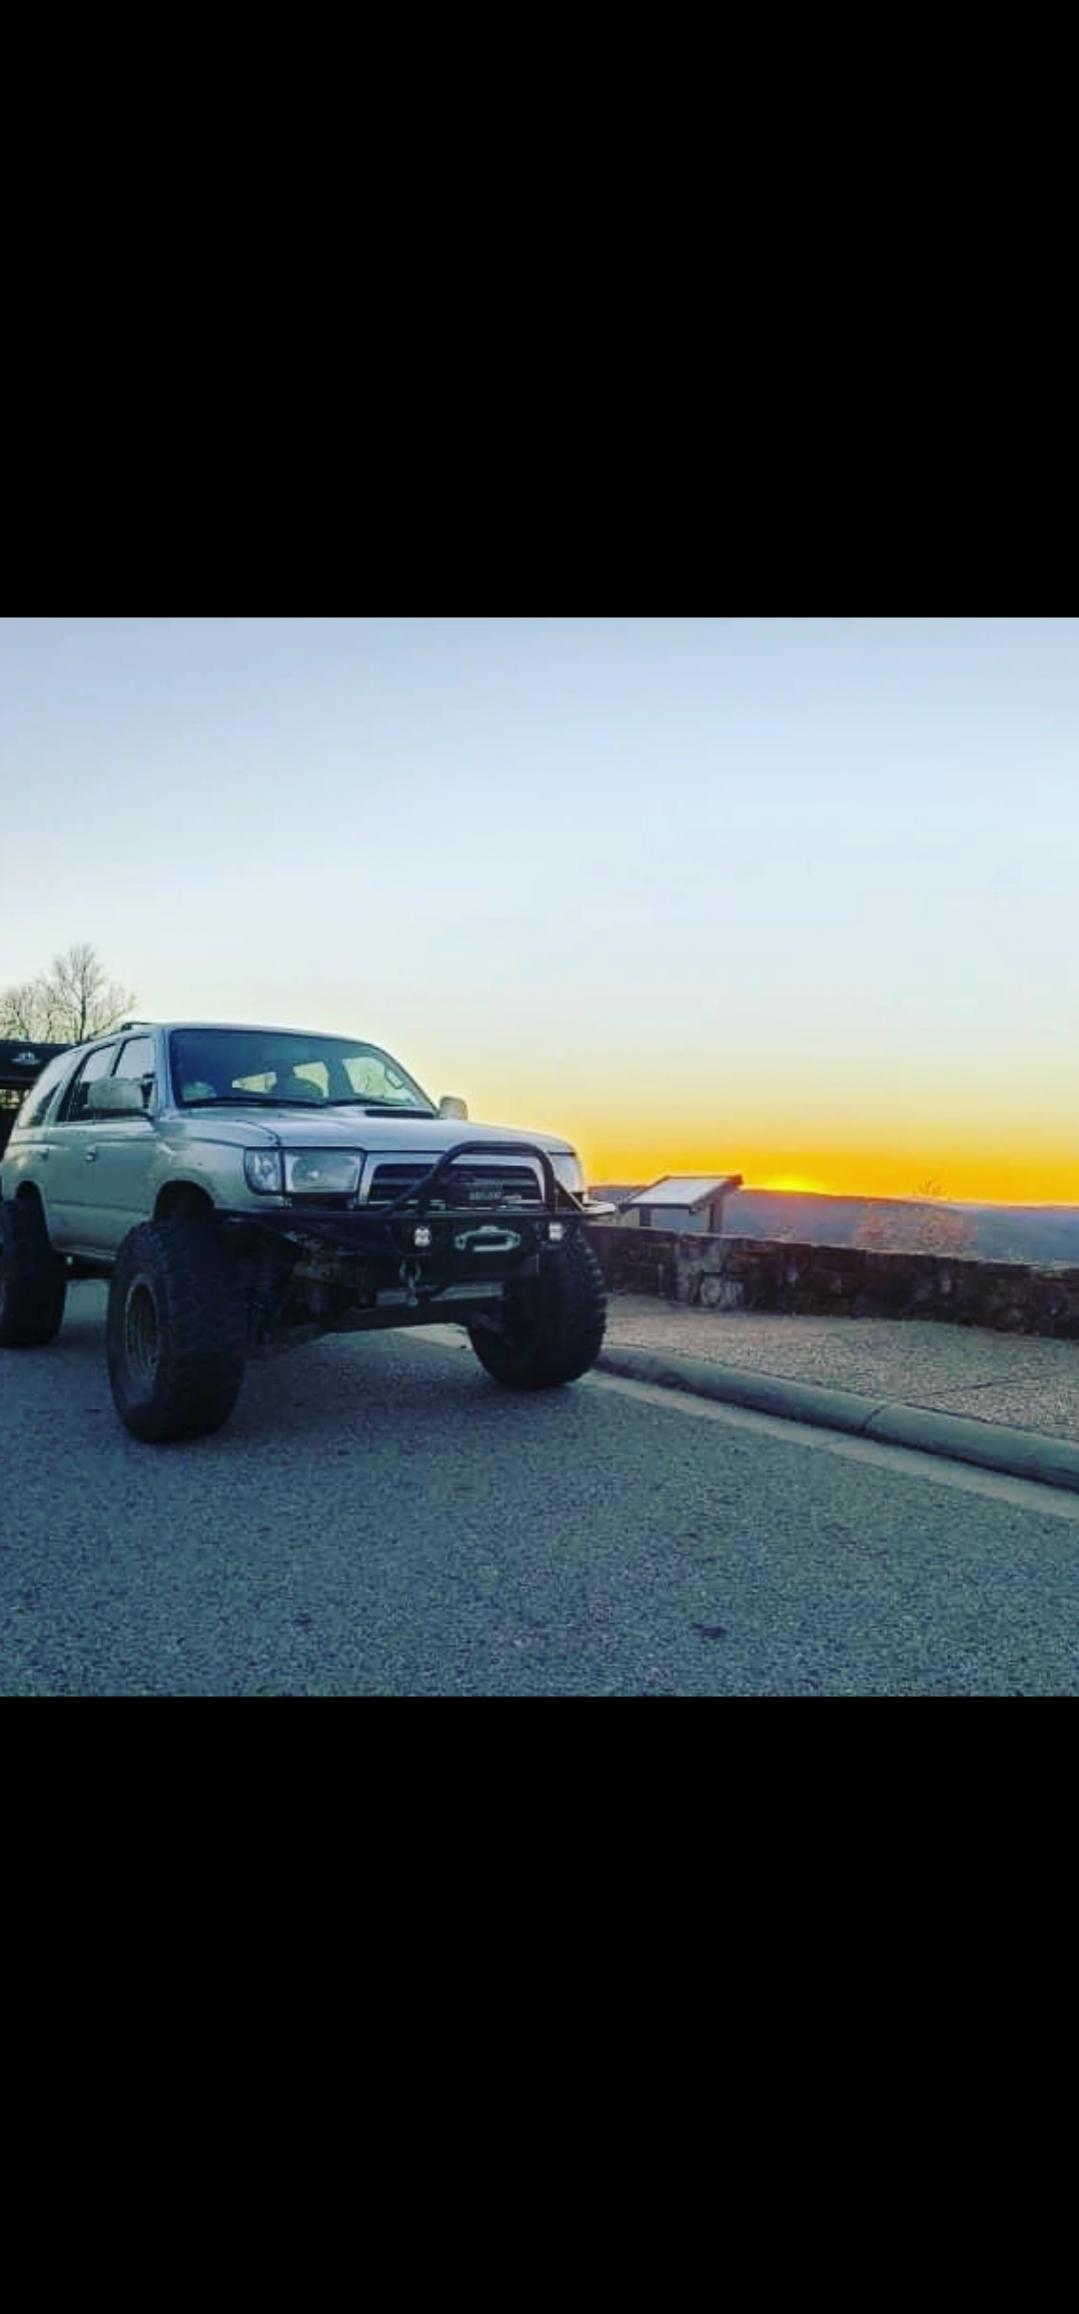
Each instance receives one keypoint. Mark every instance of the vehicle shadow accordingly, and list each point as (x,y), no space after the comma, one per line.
(333,1392)
(343,1390)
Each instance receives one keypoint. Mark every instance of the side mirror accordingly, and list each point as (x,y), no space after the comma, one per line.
(116,1097)
(450,1106)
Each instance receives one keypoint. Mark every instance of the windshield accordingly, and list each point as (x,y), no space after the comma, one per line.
(242,1065)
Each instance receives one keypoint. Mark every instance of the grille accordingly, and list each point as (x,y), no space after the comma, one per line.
(464,1185)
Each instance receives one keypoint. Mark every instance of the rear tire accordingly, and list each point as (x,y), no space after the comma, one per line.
(33,1279)
(552,1326)
(175,1332)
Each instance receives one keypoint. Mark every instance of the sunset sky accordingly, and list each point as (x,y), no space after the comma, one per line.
(790,897)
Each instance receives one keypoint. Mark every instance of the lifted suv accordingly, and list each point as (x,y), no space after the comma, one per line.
(248,1189)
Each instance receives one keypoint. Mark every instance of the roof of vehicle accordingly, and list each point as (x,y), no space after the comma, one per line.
(249,1028)
(205,1027)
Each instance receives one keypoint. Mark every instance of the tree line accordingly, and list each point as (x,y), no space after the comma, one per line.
(73,1000)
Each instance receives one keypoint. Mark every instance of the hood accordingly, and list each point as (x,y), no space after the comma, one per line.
(332,1128)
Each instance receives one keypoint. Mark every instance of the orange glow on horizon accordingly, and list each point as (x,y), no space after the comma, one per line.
(975,1177)
(799,1181)
(798,1138)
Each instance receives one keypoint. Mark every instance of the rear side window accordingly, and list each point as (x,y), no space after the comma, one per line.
(39,1097)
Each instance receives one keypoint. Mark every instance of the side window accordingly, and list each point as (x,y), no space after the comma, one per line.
(40,1095)
(97,1064)
(137,1060)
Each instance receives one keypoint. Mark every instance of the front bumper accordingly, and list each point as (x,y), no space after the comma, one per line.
(418,1242)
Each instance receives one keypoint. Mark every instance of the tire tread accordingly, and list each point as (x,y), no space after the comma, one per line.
(34,1278)
(562,1337)
(201,1315)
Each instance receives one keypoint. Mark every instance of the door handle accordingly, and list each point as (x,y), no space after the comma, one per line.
(90,1155)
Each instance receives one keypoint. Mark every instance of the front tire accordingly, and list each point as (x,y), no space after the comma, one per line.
(33,1279)
(552,1326)
(175,1332)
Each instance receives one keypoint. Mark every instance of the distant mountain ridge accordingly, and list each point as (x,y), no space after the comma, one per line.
(1031,1233)
(995,1232)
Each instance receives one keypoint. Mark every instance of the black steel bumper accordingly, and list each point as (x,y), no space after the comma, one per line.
(437,1243)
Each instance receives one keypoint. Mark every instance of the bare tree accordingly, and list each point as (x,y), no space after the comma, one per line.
(83,1000)
(911,1227)
(65,1005)
(26,1011)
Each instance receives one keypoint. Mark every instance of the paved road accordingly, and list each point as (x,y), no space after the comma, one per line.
(379,1519)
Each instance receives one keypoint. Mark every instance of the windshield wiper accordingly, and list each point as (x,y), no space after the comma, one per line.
(252,1101)
(371,1107)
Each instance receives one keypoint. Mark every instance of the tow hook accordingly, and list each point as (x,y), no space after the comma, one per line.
(410,1274)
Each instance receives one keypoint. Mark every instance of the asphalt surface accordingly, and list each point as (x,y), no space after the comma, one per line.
(379,1519)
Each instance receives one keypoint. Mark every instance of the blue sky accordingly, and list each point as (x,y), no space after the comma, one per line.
(793,896)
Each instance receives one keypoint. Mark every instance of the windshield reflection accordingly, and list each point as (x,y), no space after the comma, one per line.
(254,1067)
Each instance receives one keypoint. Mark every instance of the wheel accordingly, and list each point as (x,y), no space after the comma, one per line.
(552,1326)
(33,1280)
(175,1332)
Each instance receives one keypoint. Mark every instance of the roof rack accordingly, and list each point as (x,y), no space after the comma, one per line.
(135,1024)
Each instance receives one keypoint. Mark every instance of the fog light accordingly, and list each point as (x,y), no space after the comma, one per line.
(555,1232)
(421,1235)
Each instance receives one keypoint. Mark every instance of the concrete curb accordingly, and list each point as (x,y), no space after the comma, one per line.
(994,1445)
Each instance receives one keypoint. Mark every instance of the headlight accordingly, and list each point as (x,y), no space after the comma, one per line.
(262,1171)
(569,1170)
(322,1172)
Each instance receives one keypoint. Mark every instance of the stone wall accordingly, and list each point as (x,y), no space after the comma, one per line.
(726,1273)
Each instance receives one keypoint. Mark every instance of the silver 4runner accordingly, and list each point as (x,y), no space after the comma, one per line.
(246,1189)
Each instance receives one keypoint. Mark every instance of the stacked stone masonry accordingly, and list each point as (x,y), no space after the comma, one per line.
(725,1273)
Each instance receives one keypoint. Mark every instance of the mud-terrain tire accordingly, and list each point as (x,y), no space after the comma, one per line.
(175,1332)
(33,1279)
(552,1326)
